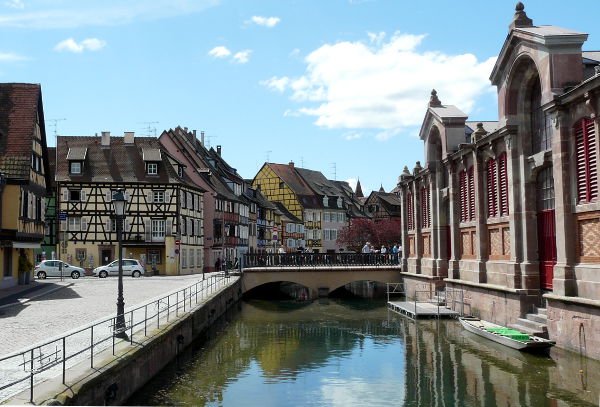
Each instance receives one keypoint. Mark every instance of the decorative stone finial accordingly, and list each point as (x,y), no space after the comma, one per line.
(520,19)
(478,133)
(433,100)
(405,174)
(417,168)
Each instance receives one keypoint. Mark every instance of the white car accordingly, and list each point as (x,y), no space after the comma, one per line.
(51,268)
(131,267)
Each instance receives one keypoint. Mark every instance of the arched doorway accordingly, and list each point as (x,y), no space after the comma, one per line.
(546,227)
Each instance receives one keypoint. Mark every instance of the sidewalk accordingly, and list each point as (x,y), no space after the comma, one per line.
(21,294)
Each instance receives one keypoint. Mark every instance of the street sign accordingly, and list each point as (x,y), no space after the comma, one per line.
(275,237)
(62,216)
(274,229)
(178,242)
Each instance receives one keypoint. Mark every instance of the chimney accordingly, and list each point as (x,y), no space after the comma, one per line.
(202,138)
(194,131)
(185,129)
(291,164)
(128,137)
(105,139)
(219,150)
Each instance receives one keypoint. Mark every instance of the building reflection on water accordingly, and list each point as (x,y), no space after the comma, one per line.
(271,349)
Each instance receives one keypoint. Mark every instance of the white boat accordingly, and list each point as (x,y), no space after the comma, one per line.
(494,333)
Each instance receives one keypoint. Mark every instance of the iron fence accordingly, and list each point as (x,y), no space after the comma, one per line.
(41,362)
(320,259)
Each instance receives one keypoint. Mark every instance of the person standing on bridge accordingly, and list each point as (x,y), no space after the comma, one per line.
(366,248)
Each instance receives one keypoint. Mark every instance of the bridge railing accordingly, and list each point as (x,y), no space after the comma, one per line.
(319,259)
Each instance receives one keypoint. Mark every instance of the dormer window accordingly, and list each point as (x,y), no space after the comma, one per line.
(325,201)
(75,167)
(152,168)
(339,202)
(76,157)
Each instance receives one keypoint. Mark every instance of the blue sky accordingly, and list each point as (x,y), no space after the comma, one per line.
(325,83)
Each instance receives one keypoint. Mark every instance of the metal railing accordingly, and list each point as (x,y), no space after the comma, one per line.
(319,259)
(394,289)
(41,361)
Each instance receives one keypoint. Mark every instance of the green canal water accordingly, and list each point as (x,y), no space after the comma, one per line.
(357,353)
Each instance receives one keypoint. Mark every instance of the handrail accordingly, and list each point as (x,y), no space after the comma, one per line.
(40,358)
(302,259)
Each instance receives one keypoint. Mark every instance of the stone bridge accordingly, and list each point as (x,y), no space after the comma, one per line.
(320,280)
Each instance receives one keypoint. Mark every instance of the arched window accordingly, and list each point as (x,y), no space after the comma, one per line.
(467,195)
(587,160)
(425,208)
(410,215)
(492,189)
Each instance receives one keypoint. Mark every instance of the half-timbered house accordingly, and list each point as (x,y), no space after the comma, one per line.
(164,207)
(24,179)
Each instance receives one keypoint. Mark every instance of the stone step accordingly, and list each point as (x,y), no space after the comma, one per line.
(541,311)
(529,331)
(541,318)
(536,326)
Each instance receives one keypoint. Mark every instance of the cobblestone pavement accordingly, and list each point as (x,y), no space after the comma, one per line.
(85,301)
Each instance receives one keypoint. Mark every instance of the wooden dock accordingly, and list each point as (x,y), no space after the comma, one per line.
(421,309)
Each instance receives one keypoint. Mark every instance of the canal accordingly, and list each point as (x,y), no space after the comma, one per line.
(342,352)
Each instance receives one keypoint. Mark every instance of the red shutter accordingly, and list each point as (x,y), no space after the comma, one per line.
(425,212)
(492,201)
(428,208)
(463,196)
(409,210)
(503,182)
(587,174)
(471,194)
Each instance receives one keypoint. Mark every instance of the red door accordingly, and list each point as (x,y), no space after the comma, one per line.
(546,247)
(546,227)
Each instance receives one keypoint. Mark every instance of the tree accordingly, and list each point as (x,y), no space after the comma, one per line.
(380,233)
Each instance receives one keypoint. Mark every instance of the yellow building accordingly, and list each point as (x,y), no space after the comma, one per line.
(23,180)
(282,183)
(164,208)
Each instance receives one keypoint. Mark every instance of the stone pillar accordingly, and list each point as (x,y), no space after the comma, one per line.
(564,273)
(438,223)
(404,228)
(454,221)
(418,236)
(481,233)
(514,221)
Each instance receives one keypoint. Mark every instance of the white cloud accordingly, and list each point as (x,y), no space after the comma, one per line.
(17,4)
(352,182)
(275,83)
(242,57)
(219,52)
(78,13)
(265,21)
(89,44)
(352,135)
(10,57)
(382,85)
(295,53)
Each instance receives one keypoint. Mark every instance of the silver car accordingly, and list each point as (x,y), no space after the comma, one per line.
(131,267)
(51,268)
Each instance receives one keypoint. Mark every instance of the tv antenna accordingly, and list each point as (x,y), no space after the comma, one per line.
(208,138)
(150,129)
(334,171)
(301,162)
(55,125)
(268,155)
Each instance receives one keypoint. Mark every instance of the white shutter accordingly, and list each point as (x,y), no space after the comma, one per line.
(83,224)
(126,225)
(147,230)
(108,196)
(63,225)
(65,195)
(43,201)
(82,196)
(107,225)
(182,199)
(167,197)
(126,195)
(30,205)
(169,227)
(149,197)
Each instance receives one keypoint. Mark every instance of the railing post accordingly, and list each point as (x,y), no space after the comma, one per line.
(168,306)
(158,314)
(113,335)
(177,304)
(131,329)
(145,320)
(64,363)
(92,348)
(184,300)
(31,379)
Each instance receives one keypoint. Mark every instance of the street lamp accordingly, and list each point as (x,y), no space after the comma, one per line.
(119,208)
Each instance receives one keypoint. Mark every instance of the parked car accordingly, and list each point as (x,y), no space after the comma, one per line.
(131,267)
(51,268)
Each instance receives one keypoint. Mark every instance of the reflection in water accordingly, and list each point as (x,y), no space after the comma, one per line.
(350,353)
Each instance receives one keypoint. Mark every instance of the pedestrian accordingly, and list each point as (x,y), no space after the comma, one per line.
(366,248)
(281,250)
(383,249)
(218,264)
(395,248)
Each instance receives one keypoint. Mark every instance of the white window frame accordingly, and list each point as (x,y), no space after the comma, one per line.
(158,230)
(156,196)
(74,223)
(152,169)
(72,164)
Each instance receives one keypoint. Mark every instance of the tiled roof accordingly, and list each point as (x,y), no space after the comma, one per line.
(18,113)
(288,174)
(288,217)
(118,162)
